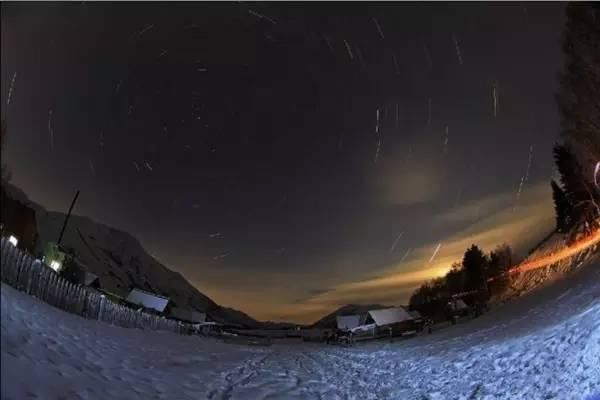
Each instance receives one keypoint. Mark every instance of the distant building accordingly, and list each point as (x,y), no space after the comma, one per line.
(382,322)
(147,300)
(349,322)
(388,321)
(388,316)
(186,315)
(18,220)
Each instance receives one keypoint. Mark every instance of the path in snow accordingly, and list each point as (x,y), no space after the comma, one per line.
(543,346)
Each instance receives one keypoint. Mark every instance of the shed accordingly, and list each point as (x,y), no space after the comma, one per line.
(147,300)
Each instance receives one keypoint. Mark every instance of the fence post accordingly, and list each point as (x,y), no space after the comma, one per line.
(22,271)
(101,309)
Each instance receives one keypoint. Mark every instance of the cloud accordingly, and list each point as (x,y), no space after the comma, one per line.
(416,181)
(332,281)
(519,226)
(472,211)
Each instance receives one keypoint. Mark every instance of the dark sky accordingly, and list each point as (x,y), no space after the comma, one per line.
(285,157)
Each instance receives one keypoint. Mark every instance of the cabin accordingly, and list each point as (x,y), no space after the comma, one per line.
(19,221)
(150,301)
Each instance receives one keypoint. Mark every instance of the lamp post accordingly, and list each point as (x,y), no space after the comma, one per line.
(62,231)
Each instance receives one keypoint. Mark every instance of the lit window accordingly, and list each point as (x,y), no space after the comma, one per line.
(55,265)
(13,240)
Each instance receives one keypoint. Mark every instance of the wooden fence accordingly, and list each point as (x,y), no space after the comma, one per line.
(22,271)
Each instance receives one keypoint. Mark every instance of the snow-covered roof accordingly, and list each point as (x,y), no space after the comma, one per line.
(345,322)
(389,316)
(147,299)
(363,328)
(460,304)
(415,314)
(188,315)
(89,278)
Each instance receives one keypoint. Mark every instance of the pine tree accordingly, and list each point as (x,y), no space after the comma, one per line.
(500,261)
(576,188)
(563,208)
(455,279)
(475,264)
(579,94)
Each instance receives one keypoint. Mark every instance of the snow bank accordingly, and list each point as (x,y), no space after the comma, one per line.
(543,346)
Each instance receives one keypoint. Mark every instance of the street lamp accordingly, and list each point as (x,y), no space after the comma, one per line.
(55,265)
(13,240)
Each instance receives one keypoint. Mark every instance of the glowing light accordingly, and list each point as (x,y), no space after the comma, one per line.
(553,258)
(597,175)
(55,265)
(13,240)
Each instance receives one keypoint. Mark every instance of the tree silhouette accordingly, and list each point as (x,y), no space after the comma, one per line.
(577,188)
(455,281)
(563,208)
(579,94)
(475,265)
(500,261)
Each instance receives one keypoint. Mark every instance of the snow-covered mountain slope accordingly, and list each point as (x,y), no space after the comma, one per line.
(121,262)
(542,346)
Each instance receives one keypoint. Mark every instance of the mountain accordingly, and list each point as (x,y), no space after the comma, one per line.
(329,321)
(121,263)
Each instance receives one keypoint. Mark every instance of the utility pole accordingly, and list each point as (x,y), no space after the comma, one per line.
(62,232)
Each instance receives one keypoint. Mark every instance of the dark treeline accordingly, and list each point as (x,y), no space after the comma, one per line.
(470,275)
(576,198)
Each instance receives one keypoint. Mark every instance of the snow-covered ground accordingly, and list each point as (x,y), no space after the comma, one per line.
(542,346)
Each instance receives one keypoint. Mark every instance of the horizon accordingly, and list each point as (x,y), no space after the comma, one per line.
(288,169)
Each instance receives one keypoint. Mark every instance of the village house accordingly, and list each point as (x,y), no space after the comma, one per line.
(392,321)
(19,222)
(147,300)
(186,315)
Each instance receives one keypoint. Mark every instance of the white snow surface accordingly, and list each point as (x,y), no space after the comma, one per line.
(542,346)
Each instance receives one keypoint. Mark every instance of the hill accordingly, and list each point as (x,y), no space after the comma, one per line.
(121,263)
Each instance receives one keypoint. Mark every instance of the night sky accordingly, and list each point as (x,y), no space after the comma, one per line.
(288,158)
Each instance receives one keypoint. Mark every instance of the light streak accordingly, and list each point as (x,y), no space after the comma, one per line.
(396,242)
(554,257)
(429,111)
(597,175)
(435,252)
(349,50)
(50,130)
(495,96)
(378,27)
(10,90)
(405,255)
(458,53)
(261,16)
